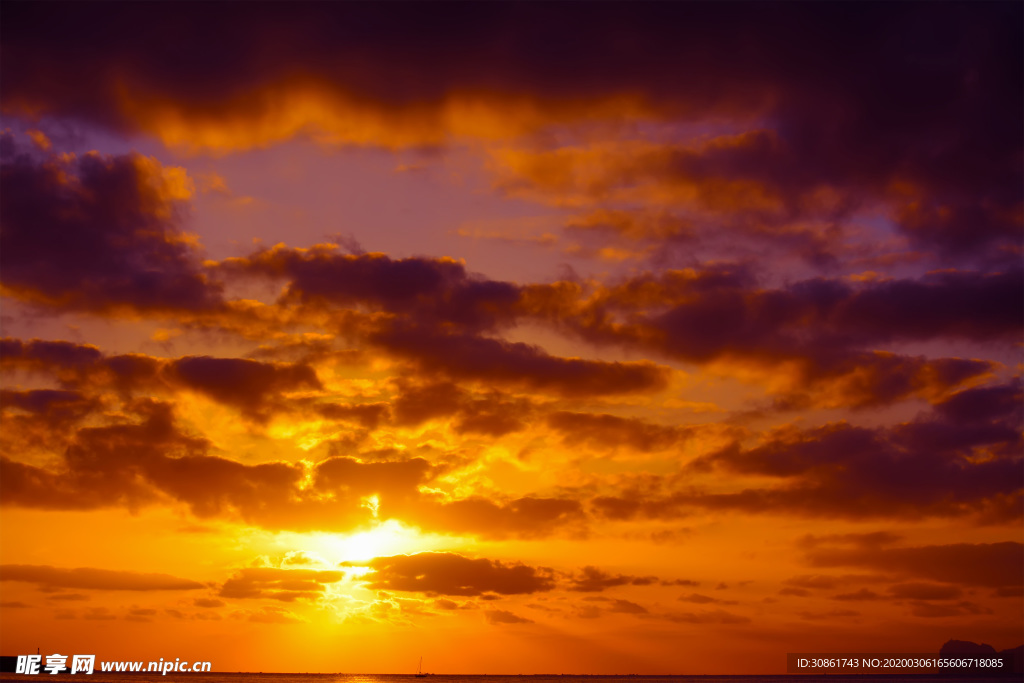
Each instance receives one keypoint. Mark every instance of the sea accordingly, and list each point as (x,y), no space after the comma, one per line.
(540,678)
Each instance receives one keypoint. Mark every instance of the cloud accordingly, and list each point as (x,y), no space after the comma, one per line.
(153,460)
(391,480)
(861,594)
(930,610)
(49,356)
(490,414)
(699,599)
(54,405)
(918,590)
(627,607)
(494,415)
(102,465)
(133,464)
(966,564)
(829,615)
(823,334)
(500,616)
(40,421)
(859,125)
(679,582)
(525,517)
(931,465)
(517,364)
(300,558)
(982,403)
(101,614)
(841,471)
(382,103)
(869,539)
(141,614)
(952,303)
(593,579)
(369,415)
(415,405)
(268,615)
(759,183)
(425,290)
(451,574)
(712,617)
(244,384)
(50,578)
(828,581)
(100,234)
(286,585)
(262,494)
(252,387)
(604,431)
(68,597)
(437,317)
(208,602)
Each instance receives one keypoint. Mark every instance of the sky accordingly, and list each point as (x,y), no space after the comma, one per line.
(522,337)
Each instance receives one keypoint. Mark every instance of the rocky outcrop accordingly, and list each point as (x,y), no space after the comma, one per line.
(1013,659)
(966,647)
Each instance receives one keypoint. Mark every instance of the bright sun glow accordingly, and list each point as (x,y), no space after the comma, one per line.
(389,538)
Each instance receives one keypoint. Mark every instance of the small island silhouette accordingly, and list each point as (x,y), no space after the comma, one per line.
(1013,658)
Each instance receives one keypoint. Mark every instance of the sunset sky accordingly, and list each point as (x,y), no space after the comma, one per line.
(525,337)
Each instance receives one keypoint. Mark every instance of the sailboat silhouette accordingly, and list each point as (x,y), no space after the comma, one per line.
(419,672)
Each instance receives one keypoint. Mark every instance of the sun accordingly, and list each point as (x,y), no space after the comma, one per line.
(387,538)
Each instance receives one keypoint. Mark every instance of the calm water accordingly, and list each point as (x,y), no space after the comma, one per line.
(396,678)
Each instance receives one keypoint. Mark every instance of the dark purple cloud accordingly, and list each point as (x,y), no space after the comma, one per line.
(516,364)
(245,384)
(941,464)
(912,106)
(99,234)
(604,431)
(424,289)
(253,387)
(829,332)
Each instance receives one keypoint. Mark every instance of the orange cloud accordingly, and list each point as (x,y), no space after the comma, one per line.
(452,574)
(54,578)
(970,564)
(286,585)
